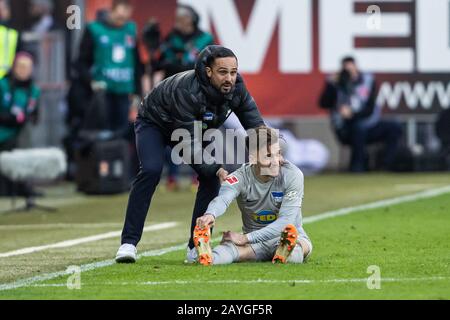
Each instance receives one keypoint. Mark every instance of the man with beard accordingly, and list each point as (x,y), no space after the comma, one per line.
(208,94)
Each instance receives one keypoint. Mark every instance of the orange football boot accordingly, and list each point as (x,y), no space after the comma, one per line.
(203,245)
(288,241)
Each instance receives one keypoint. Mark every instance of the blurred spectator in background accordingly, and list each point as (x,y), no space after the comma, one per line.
(351,98)
(80,92)
(178,52)
(181,47)
(19,98)
(42,20)
(41,24)
(109,60)
(108,70)
(9,39)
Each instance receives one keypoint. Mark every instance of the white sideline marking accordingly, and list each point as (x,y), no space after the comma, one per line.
(263,281)
(378,204)
(327,215)
(74,242)
(269,281)
(10,227)
(86,267)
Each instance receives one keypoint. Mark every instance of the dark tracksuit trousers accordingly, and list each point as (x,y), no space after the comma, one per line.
(151,147)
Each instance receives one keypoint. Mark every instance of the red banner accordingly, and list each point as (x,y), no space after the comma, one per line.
(287,47)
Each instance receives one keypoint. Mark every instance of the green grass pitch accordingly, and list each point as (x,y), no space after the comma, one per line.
(408,243)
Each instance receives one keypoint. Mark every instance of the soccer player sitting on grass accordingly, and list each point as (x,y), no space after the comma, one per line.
(269,193)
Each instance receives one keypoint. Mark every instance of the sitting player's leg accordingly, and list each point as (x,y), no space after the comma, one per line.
(301,251)
(201,238)
(294,246)
(288,242)
(265,250)
(227,253)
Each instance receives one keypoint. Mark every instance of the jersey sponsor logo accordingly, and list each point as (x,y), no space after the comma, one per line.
(265,217)
(232,180)
(277,196)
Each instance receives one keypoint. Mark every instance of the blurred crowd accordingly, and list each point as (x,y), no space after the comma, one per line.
(107,79)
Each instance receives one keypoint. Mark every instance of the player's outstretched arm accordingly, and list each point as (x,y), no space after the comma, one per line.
(229,190)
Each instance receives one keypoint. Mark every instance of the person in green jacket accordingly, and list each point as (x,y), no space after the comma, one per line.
(109,60)
(179,50)
(19,98)
(19,104)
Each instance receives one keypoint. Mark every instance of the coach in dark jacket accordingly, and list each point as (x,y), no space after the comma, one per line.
(206,95)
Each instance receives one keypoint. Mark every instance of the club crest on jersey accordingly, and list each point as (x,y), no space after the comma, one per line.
(232,180)
(265,217)
(208,116)
(278,196)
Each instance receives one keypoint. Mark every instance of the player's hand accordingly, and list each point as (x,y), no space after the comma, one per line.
(206,221)
(222,174)
(236,238)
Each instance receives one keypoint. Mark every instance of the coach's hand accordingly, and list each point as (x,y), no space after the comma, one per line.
(222,174)
(236,238)
(206,221)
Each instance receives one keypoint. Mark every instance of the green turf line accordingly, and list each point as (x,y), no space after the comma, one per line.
(406,241)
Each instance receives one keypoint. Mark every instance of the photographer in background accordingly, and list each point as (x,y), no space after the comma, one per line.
(19,98)
(356,118)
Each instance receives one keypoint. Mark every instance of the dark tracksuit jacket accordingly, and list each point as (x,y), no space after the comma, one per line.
(187,97)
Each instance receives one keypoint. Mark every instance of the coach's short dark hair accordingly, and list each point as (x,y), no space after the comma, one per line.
(217,52)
